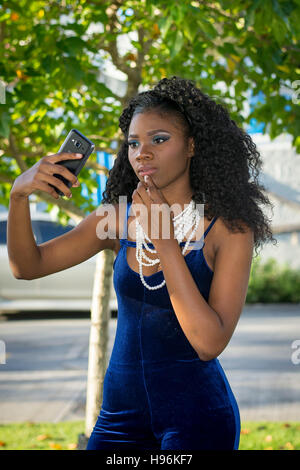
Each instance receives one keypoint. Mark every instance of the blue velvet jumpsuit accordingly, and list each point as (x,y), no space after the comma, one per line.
(157,392)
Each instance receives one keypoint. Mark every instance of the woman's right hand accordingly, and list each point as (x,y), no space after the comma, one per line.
(39,175)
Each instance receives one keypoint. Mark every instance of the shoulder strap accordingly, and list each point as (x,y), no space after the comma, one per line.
(123,239)
(210,226)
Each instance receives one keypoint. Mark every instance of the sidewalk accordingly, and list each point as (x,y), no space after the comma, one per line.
(258,363)
(45,375)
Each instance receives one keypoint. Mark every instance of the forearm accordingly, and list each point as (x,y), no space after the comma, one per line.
(22,250)
(199,322)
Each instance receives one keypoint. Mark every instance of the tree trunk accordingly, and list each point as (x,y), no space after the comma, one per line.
(100,315)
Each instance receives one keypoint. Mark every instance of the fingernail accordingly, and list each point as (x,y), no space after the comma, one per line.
(78,154)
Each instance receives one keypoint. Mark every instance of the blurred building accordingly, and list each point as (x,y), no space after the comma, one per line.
(281,178)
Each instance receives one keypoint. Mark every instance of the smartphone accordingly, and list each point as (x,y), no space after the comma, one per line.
(75,142)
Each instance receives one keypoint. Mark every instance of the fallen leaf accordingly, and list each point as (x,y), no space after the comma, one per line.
(42,437)
(2,444)
(288,445)
(55,446)
(72,446)
(286,425)
(245,431)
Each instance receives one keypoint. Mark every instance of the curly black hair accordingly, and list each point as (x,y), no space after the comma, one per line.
(226,163)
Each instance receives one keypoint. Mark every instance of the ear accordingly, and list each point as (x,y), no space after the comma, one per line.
(191,145)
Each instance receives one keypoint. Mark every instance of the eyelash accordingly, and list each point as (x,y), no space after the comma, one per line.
(134,141)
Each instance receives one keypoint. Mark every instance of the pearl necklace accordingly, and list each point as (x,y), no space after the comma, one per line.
(183,222)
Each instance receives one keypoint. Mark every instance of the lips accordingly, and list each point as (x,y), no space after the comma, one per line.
(146,170)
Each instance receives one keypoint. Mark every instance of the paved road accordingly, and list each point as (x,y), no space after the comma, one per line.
(44,378)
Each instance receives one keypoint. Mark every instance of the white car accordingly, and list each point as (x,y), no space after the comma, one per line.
(68,290)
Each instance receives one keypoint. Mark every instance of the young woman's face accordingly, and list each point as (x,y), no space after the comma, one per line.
(156,142)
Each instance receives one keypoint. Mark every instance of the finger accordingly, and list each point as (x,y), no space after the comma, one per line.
(142,190)
(40,186)
(57,157)
(153,193)
(57,183)
(143,193)
(51,168)
(62,170)
(149,181)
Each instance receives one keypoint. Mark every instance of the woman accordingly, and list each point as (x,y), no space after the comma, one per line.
(178,302)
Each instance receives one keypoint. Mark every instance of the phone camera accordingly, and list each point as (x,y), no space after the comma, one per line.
(77,144)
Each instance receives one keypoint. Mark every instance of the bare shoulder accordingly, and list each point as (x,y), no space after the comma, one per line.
(223,235)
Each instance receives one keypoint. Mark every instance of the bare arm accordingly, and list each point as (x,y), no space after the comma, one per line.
(31,261)
(23,252)
(209,325)
(28,260)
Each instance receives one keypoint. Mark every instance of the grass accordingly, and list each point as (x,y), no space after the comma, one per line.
(40,436)
(262,435)
(270,435)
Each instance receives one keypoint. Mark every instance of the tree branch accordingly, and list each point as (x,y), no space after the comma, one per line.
(2,31)
(100,169)
(15,153)
(68,207)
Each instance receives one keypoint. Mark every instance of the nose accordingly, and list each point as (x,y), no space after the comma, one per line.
(144,152)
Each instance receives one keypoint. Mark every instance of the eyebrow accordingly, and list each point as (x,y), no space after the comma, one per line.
(150,132)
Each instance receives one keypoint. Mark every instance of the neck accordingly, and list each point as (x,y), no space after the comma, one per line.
(179,203)
(179,193)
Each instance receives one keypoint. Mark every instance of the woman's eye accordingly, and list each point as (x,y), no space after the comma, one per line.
(160,138)
(131,143)
(163,139)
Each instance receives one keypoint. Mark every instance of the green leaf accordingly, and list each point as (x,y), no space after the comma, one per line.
(207,28)
(177,45)
(137,45)
(280,12)
(72,45)
(49,63)
(279,30)
(164,25)
(77,27)
(14,6)
(190,30)
(72,67)
(228,48)
(250,14)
